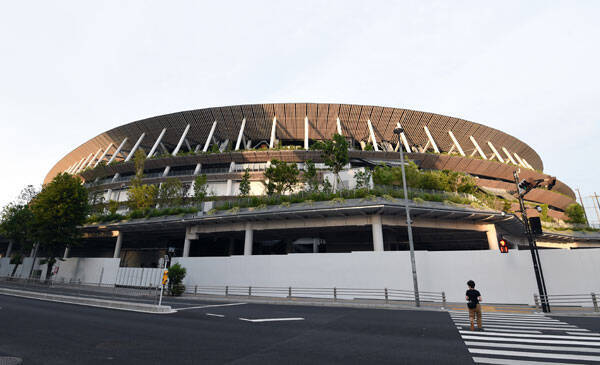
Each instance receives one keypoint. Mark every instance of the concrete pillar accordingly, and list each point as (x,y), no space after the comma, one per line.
(315,245)
(66,254)
(248,240)
(197,169)
(229,187)
(492,237)
(9,248)
(117,253)
(377,233)
(186,247)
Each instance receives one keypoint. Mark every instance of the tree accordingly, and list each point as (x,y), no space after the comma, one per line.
(310,177)
(335,155)
(200,187)
(282,177)
(141,196)
(58,212)
(176,275)
(16,226)
(245,184)
(169,193)
(363,179)
(575,213)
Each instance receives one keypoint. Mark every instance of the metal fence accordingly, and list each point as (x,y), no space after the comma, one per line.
(384,294)
(136,277)
(569,301)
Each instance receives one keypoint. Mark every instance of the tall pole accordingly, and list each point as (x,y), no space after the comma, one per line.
(535,257)
(411,244)
(583,206)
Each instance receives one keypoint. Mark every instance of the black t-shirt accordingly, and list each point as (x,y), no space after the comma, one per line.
(473,296)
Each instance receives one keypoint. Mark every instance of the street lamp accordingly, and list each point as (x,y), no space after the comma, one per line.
(411,245)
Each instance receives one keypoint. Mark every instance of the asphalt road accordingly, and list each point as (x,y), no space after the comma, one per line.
(42,332)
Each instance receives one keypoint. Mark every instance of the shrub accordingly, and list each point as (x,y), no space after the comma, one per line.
(575,213)
(176,275)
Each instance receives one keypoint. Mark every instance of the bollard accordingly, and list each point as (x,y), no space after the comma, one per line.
(249,291)
(536,301)
(443,300)
(226,290)
(385,291)
(334,293)
(595,302)
(289,292)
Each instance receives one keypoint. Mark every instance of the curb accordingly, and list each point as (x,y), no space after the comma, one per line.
(91,302)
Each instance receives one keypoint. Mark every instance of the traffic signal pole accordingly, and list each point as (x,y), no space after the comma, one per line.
(535,257)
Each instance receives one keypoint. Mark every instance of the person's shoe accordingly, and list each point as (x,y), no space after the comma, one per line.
(480,329)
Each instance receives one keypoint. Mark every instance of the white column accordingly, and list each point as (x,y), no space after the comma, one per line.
(492,237)
(185,132)
(509,155)
(377,233)
(240,134)
(527,164)
(404,140)
(85,162)
(135,147)
(103,154)
(456,144)
(248,238)
(186,246)
(339,126)
(93,158)
(229,187)
(66,253)
(112,158)
(117,252)
(430,137)
(210,135)
(306,133)
(477,148)
(495,151)
(272,141)
(157,143)
(198,169)
(77,166)
(372,133)
(166,171)
(9,248)
(519,159)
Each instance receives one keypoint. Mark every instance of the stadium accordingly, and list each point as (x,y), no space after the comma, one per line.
(245,243)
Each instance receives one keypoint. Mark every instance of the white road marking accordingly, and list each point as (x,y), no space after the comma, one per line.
(583,334)
(209,306)
(491,360)
(497,319)
(535,354)
(491,333)
(272,319)
(532,347)
(529,327)
(505,330)
(527,340)
(215,315)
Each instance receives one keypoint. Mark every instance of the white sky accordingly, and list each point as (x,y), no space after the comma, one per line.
(70,70)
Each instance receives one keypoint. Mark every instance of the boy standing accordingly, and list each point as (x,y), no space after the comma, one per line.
(473,298)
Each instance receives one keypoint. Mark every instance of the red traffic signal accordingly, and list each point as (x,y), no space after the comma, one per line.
(503,244)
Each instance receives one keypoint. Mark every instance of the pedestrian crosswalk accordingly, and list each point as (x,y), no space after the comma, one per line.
(528,339)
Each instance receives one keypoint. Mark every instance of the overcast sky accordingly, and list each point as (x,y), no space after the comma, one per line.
(70,70)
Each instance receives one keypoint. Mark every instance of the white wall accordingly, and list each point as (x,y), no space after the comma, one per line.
(88,270)
(502,278)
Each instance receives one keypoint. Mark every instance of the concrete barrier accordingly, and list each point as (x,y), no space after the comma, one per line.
(92,302)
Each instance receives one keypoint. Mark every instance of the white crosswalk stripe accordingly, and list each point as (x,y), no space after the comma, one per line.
(530,339)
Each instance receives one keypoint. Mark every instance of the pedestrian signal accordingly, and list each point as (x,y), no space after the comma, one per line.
(503,246)
(165,277)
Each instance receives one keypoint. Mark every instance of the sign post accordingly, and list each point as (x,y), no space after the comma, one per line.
(164,280)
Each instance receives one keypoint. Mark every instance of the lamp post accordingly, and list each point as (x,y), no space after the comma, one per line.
(411,245)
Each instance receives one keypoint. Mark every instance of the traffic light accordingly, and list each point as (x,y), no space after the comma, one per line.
(165,277)
(503,244)
(524,187)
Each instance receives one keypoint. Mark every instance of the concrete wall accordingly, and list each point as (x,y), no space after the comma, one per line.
(23,270)
(502,278)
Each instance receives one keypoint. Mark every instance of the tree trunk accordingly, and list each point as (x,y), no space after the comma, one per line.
(14,270)
(50,264)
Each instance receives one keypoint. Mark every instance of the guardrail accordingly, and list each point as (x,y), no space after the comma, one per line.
(385,294)
(569,301)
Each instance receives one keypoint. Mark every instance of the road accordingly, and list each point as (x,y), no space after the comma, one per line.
(247,333)
(54,333)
